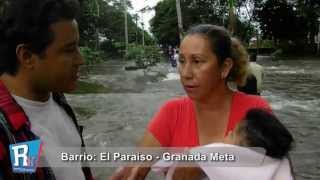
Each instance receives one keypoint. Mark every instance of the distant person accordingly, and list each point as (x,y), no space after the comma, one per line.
(255,77)
(209,59)
(39,61)
(175,58)
(172,53)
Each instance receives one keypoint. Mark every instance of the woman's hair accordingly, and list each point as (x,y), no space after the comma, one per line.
(261,128)
(27,22)
(224,46)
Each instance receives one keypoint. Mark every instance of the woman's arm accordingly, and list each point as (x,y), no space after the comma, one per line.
(148,140)
(188,173)
(157,134)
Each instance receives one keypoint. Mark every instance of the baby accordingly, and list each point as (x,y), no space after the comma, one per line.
(259,128)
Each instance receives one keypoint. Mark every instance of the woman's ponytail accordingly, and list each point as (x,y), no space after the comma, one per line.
(239,71)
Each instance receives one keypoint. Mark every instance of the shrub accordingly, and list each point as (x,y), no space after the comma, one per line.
(144,55)
(91,56)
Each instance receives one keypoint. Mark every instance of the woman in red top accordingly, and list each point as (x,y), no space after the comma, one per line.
(209,58)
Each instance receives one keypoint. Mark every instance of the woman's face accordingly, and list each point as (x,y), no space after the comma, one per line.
(199,69)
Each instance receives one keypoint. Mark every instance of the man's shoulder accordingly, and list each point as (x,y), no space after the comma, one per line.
(2,117)
(5,137)
(3,124)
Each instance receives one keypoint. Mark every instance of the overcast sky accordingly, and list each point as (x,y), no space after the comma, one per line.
(138,5)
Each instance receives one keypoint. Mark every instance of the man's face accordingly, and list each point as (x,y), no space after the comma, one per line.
(57,70)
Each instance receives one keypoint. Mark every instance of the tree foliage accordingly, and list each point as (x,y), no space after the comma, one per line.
(102,22)
(291,24)
(277,19)
(164,24)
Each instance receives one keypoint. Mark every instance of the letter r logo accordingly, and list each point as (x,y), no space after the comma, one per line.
(20,151)
(24,156)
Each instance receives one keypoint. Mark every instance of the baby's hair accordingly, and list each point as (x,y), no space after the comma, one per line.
(263,129)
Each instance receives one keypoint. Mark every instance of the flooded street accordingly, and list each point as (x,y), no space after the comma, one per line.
(293,89)
(119,117)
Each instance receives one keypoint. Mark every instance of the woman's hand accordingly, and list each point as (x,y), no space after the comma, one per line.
(188,173)
(136,173)
(130,173)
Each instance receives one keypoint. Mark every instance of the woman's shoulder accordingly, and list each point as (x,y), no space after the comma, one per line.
(242,103)
(252,101)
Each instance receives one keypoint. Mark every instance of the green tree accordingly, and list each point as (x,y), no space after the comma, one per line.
(102,22)
(291,24)
(309,12)
(165,28)
(277,19)
(164,25)
(87,22)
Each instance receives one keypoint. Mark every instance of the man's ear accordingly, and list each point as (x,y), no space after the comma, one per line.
(226,68)
(25,56)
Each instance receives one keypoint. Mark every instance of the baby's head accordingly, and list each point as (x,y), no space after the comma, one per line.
(260,128)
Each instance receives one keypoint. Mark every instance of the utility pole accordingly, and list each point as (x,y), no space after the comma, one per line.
(142,32)
(97,29)
(232,17)
(258,42)
(180,24)
(143,10)
(136,17)
(318,38)
(126,25)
